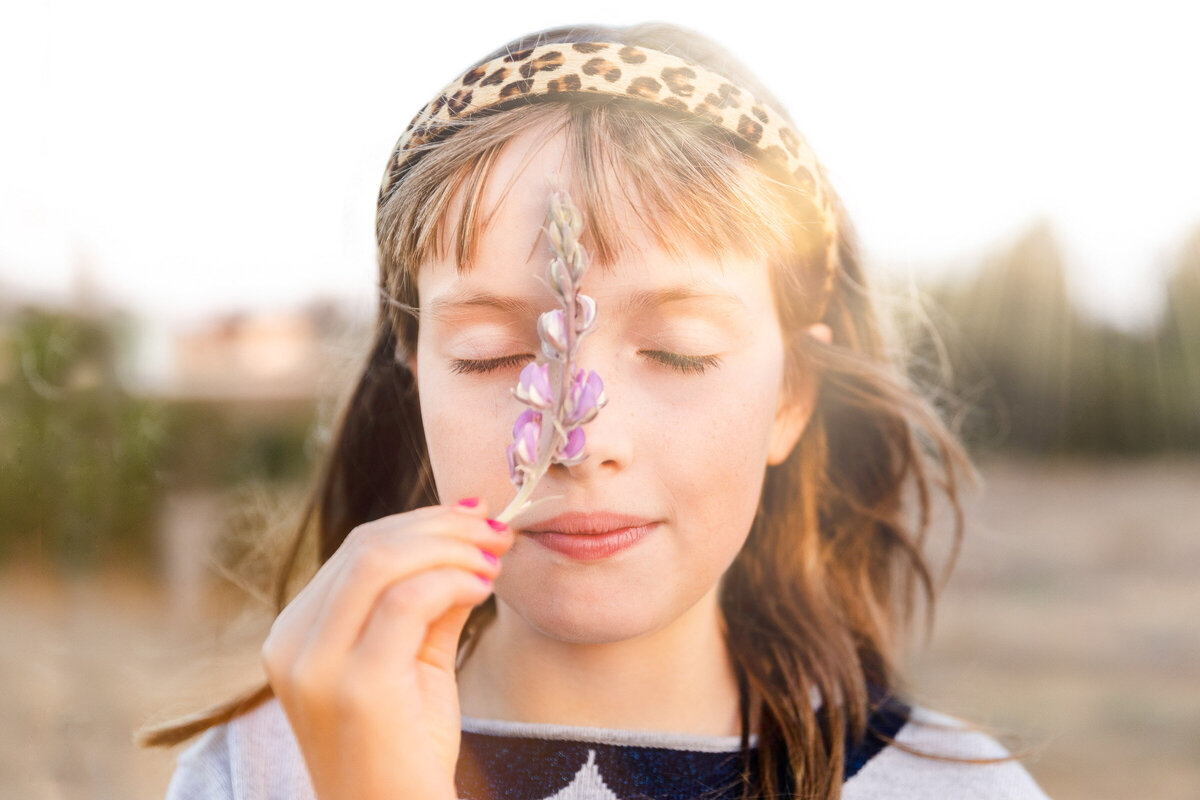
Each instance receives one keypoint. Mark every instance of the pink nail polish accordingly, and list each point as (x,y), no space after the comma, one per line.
(486,580)
(496,525)
(490,557)
(469,502)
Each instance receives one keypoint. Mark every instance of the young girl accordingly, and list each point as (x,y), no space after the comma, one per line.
(708,604)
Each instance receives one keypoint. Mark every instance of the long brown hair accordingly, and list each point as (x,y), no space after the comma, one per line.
(819,599)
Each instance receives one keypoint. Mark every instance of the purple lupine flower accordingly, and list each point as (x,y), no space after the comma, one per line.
(585,398)
(570,452)
(533,387)
(570,395)
(526,432)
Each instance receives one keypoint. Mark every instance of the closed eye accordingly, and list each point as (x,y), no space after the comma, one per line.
(682,363)
(461,366)
(676,361)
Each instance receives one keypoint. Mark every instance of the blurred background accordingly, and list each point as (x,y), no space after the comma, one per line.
(187,281)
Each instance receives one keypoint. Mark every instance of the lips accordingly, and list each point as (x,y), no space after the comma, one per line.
(593,523)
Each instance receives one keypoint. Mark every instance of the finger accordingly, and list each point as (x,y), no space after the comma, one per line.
(319,662)
(457,522)
(295,623)
(364,533)
(400,622)
(390,559)
(292,625)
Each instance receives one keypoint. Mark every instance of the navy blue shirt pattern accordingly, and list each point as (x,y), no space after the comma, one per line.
(498,766)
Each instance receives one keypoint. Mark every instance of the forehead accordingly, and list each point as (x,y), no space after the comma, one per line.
(512,253)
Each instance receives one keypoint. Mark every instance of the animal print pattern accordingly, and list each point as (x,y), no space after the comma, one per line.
(625,71)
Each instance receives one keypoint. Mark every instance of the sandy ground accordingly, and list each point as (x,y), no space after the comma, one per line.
(1070,621)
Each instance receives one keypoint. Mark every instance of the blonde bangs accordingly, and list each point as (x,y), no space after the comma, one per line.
(692,189)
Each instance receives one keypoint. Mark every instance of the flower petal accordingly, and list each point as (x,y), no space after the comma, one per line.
(527,445)
(552,331)
(585,313)
(571,451)
(527,416)
(585,400)
(533,387)
(595,387)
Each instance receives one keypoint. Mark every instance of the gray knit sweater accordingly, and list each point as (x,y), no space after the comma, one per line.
(256,756)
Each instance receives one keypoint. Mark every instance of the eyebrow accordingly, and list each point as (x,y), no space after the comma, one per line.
(634,303)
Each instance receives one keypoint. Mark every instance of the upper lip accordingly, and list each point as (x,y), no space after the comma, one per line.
(578,522)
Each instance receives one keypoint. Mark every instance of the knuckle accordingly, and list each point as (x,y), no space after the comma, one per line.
(269,652)
(367,564)
(357,533)
(270,665)
(307,680)
(273,653)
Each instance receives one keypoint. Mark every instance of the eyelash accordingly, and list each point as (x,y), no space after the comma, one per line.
(682,363)
(676,361)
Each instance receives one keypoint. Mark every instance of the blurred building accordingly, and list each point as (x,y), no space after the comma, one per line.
(264,356)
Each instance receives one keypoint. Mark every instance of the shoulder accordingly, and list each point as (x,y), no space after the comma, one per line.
(253,755)
(896,773)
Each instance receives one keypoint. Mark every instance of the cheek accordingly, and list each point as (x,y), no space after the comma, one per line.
(466,433)
(730,415)
(716,457)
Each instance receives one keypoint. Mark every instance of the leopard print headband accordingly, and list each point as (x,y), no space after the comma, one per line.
(624,71)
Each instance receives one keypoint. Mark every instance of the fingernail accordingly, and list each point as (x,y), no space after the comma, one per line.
(486,580)
(496,525)
(490,557)
(469,502)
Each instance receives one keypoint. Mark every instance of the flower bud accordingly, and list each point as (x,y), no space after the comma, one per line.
(585,313)
(553,333)
(560,279)
(578,261)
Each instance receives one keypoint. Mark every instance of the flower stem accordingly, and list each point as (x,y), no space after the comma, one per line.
(564,222)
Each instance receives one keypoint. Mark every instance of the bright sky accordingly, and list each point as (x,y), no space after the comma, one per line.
(202,157)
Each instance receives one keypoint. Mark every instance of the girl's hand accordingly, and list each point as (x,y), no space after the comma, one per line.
(363,659)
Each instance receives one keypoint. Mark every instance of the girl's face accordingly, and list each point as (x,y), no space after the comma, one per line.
(685,443)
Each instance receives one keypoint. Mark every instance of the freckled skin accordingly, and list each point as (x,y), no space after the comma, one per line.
(688,449)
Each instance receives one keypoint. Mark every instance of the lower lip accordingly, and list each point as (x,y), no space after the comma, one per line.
(594,546)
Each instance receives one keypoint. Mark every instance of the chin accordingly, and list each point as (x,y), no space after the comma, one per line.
(580,619)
